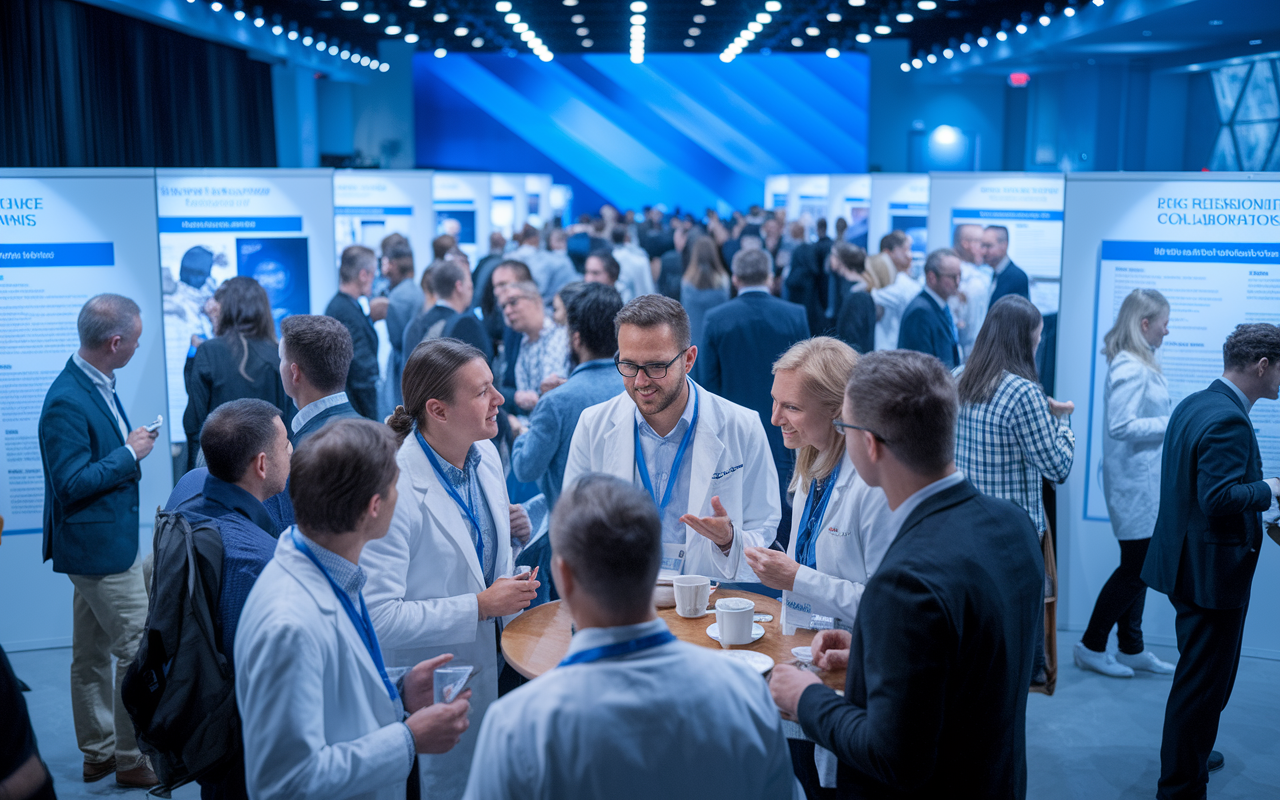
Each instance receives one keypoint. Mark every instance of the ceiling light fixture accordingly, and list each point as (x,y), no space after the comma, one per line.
(884,30)
(577,19)
(1068,12)
(441,52)
(639,6)
(832,52)
(797,42)
(461,30)
(917,63)
(502,6)
(905,67)
(441,17)
(982,41)
(926,5)
(834,16)
(863,38)
(1044,20)
(587,42)
(773,6)
(905,18)
(477,42)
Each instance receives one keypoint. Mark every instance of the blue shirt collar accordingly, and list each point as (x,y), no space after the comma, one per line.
(593,364)
(589,638)
(236,500)
(1244,401)
(347,575)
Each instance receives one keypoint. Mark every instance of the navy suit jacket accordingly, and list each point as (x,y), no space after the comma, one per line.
(925,328)
(465,327)
(1205,545)
(90,480)
(340,411)
(1011,281)
(364,340)
(935,700)
(740,341)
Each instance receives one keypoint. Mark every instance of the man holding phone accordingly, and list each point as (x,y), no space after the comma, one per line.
(91,461)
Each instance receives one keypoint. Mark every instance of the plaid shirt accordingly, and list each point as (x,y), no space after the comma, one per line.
(1006,445)
(541,359)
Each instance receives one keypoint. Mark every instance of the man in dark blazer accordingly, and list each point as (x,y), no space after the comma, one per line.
(806,283)
(315,355)
(91,472)
(451,315)
(927,324)
(355,280)
(1009,277)
(1205,546)
(741,340)
(942,648)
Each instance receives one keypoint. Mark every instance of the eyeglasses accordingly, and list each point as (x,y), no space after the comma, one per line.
(511,301)
(655,371)
(844,428)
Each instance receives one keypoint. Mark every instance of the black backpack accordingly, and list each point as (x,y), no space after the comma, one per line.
(180,689)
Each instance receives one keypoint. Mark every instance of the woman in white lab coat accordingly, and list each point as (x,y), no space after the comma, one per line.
(437,581)
(1137,411)
(839,524)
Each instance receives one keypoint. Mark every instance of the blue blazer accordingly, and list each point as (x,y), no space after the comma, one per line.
(1205,545)
(90,481)
(340,411)
(1012,281)
(925,328)
(740,341)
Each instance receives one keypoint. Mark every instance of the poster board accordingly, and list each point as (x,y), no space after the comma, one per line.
(371,204)
(900,201)
(461,204)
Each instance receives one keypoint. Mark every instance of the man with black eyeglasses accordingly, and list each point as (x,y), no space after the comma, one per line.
(704,460)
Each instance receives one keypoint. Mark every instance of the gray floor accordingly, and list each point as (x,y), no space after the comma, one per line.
(1097,738)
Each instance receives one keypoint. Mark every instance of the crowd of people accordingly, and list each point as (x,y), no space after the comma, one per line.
(577,413)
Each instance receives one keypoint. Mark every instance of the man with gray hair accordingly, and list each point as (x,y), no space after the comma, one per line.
(91,466)
(927,322)
(606,721)
(970,303)
(741,340)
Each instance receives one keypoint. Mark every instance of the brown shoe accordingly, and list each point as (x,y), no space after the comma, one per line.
(140,777)
(97,770)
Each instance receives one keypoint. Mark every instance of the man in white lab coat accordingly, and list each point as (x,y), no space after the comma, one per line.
(969,305)
(321,716)
(631,712)
(705,461)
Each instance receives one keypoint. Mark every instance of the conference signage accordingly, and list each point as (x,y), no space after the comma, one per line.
(461,204)
(369,205)
(900,202)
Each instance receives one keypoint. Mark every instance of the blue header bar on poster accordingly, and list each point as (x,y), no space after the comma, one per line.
(1216,252)
(215,224)
(991,213)
(61,254)
(374,211)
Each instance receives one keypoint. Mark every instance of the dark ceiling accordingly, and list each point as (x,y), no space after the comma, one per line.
(670,25)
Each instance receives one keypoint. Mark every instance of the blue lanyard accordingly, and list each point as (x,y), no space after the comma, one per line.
(361,621)
(675,465)
(811,519)
(457,498)
(619,648)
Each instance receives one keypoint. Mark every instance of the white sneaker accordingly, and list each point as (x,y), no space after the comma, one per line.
(1102,663)
(1145,661)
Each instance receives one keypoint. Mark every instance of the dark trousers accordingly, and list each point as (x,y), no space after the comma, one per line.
(807,771)
(1121,602)
(364,399)
(1208,654)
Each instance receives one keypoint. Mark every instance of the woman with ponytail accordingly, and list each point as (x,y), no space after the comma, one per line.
(439,581)
(242,361)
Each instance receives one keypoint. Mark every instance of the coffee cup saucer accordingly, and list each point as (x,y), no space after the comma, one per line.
(713,631)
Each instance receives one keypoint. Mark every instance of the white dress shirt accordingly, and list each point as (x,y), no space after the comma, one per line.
(107,388)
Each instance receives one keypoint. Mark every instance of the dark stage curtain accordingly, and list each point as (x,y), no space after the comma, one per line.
(81,86)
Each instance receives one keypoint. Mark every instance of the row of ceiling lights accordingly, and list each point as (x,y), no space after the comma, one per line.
(342,51)
(1001,35)
(521,29)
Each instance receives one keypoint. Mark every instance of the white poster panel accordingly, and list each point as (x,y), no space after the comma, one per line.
(537,193)
(65,236)
(900,202)
(369,205)
(1208,243)
(776,190)
(849,198)
(1029,205)
(808,199)
(461,203)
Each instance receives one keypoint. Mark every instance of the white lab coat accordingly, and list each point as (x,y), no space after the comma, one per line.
(1137,407)
(674,721)
(975,288)
(731,459)
(635,276)
(424,576)
(893,299)
(854,534)
(316,718)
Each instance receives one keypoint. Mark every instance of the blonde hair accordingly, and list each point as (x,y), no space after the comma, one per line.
(1126,336)
(824,365)
(880,271)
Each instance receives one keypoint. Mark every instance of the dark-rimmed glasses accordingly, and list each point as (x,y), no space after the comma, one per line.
(655,371)
(844,427)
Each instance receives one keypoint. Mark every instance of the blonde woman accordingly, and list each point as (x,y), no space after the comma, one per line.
(840,526)
(1137,410)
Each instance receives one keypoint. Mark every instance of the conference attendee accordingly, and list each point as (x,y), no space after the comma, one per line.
(485,266)
(616,718)
(440,580)
(704,460)
(940,654)
(635,276)
(1136,409)
(495,325)
(1205,545)
(544,345)
(560,303)
(927,323)
(602,267)
(892,300)
(970,302)
(673,261)
(23,774)
(528,245)
(1010,436)
(556,264)
(705,284)
(355,279)
(243,360)
(247,451)
(843,530)
(321,715)
(446,241)
(541,449)
(806,282)
(856,318)
(741,340)
(507,274)
(878,271)
(1009,277)
(388,275)
(450,316)
(404,302)
(90,457)
(315,354)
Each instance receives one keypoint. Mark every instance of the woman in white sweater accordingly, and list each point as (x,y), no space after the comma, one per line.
(1137,411)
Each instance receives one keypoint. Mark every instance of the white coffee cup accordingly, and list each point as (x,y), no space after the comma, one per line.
(734,618)
(692,594)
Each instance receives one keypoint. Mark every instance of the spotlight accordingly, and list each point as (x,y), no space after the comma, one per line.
(520,27)
(587,43)
(502,7)
(461,30)
(293,36)
(964,47)
(857,2)
(279,29)
(812,31)
(392,29)
(239,15)
(689,43)
(698,19)
(1020,28)
(333,50)
(708,2)
(834,16)
(411,38)
(748,35)
(582,31)
(545,56)
(926,5)
(364,61)
(1001,35)
(526,36)
(982,41)
(1068,12)
(441,17)
(216,6)
(764,18)
(862,38)
(1098,2)
(417,3)
(773,6)
(832,52)
(372,17)
(373,64)
(755,27)
(477,42)
(904,18)
(440,52)
(637,58)
(1044,20)
(258,22)
(726,58)
(307,41)
(383,67)
(905,67)
(637,19)
(639,6)
(570,2)
(350,5)
(931,58)
(948,53)
(917,63)
(884,30)
(695,31)
(345,55)
(577,19)
(797,42)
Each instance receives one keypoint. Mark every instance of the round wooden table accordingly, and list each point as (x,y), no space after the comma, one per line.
(537,640)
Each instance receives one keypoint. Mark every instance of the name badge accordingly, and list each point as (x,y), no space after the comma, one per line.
(798,613)
(673,557)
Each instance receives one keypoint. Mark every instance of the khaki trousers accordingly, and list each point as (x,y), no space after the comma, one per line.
(109,613)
